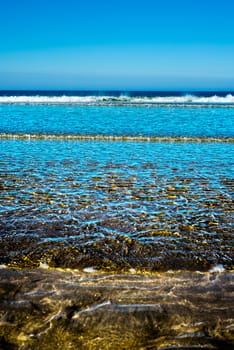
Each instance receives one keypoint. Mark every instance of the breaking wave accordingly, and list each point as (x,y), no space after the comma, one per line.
(106,100)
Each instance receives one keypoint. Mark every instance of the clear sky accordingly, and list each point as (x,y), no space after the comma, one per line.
(117,44)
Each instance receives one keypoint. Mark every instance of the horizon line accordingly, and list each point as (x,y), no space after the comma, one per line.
(120,90)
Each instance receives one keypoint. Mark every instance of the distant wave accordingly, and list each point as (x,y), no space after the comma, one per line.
(120,100)
(122,138)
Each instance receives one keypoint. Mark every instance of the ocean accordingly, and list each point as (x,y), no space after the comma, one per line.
(116,219)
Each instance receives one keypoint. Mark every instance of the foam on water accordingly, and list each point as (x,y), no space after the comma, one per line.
(118,100)
(122,138)
(217,268)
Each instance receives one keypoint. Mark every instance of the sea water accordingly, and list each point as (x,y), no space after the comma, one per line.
(116,183)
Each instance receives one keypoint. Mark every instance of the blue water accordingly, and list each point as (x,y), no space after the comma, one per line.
(109,120)
(155,205)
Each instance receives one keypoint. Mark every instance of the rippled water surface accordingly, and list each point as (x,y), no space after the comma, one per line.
(119,204)
(118,120)
(135,205)
(75,310)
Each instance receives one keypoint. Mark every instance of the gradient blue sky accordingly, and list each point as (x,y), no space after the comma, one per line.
(110,44)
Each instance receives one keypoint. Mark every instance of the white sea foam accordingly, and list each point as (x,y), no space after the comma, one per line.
(89,269)
(3,266)
(118,100)
(217,268)
(44,265)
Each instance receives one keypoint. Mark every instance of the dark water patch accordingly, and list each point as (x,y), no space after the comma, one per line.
(48,309)
(164,250)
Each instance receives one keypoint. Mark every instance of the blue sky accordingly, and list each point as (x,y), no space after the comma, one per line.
(125,44)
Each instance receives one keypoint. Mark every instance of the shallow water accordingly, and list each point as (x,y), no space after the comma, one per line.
(44,309)
(117,120)
(137,201)
(116,205)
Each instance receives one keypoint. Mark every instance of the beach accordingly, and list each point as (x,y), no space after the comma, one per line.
(116,220)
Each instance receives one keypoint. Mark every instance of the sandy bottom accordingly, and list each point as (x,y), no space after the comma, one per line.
(58,309)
